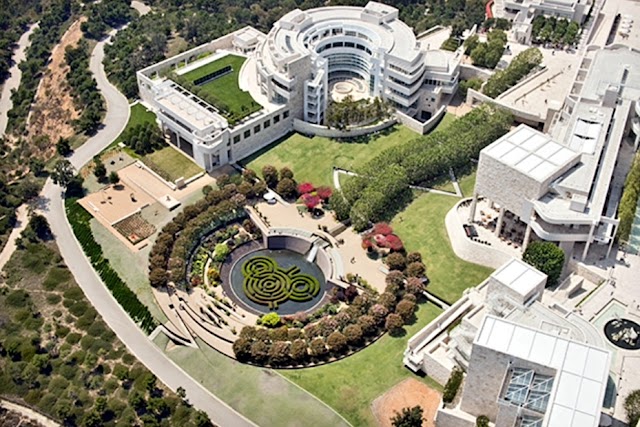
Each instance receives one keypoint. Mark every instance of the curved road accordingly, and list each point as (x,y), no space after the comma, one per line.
(14,77)
(97,293)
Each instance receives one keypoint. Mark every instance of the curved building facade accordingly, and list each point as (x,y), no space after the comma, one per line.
(285,77)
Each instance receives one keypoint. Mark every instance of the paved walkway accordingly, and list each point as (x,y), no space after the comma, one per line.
(14,77)
(113,314)
(29,413)
(10,247)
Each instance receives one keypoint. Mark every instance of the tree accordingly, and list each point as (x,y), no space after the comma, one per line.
(150,381)
(271,320)
(367,324)
(299,352)
(40,226)
(287,188)
(114,178)
(340,205)
(482,421)
(318,347)
(270,175)
(416,269)
(99,170)
(405,309)
(353,333)
(409,417)
(158,277)
(201,419)
(62,173)
(546,257)
(396,261)
(414,286)
(394,323)
(470,43)
(285,172)
(632,407)
(28,189)
(63,147)
(337,342)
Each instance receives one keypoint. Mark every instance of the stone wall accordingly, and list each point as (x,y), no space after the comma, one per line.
(421,127)
(448,418)
(318,130)
(292,243)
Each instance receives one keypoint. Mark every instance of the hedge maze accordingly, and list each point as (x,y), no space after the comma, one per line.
(266,283)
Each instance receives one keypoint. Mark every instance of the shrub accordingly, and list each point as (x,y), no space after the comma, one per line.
(394,323)
(318,347)
(519,67)
(270,175)
(337,342)
(546,257)
(393,242)
(416,269)
(368,324)
(270,320)
(382,228)
(353,333)
(406,309)
(632,407)
(452,385)
(305,187)
(414,286)
(286,173)
(482,421)
(396,261)
(324,192)
(299,351)
(414,257)
(279,353)
(287,188)
(409,417)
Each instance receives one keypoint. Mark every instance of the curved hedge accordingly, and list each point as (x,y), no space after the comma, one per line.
(79,219)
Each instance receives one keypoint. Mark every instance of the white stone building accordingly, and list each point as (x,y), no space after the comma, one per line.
(291,71)
(526,364)
(566,186)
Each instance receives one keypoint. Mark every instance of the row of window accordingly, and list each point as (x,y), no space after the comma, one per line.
(338,31)
(344,44)
(258,127)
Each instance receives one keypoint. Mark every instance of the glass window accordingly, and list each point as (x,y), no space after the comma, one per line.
(247,133)
(256,129)
(276,118)
(267,123)
(236,139)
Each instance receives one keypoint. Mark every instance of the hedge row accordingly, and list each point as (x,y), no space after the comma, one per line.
(521,65)
(79,219)
(452,385)
(382,185)
(629,201)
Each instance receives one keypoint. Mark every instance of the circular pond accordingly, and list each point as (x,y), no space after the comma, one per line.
(277,280)
(623,333)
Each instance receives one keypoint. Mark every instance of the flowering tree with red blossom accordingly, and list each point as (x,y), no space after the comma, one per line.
(382,228)
(393,242)
(324,192)
(367,243)
(310,201)
(305,187)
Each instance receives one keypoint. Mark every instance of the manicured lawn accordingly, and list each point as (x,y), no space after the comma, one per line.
(138,115)
(259,394)
(224,92)
(351,385)
(313,159)
(172,163)
(421,227)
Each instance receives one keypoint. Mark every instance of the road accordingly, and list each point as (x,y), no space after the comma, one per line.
(113,314)
(14,77)
(21,222)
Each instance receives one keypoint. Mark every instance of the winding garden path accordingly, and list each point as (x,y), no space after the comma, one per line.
(127,331)
(13,81)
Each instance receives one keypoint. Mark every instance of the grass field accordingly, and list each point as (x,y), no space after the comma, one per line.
(351,385)
(259,394)
(313,159)
(137,116)
(172,163)
(224,92)
(421,227)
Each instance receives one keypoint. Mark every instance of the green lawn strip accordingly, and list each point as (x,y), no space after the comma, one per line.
(351,385)
(172,163)
(421,227)
(132,267)
(259,394)
(225,89)
(313,159)
(137,116)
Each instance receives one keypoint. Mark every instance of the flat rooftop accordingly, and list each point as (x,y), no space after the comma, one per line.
(531,152)
(519,276)
(581,375)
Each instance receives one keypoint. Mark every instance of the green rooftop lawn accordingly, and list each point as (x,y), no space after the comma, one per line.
(313,159)
(351,385)
(224,92)
(172,163)
(421,227)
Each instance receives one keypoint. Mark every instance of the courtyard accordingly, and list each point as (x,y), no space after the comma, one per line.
(313,159)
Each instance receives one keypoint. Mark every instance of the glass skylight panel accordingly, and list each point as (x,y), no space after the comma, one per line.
(528,389)
(529,421)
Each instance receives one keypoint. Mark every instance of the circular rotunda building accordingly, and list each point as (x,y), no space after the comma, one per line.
(309,55)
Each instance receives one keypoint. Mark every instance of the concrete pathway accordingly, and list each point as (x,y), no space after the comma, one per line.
(10,247)
(29,413)
(15,75)
(96,292)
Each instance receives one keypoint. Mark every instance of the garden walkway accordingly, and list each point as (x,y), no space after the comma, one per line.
(10,247)
(15,74)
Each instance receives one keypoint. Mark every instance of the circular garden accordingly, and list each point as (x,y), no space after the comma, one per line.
(296,329)
(277,280)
